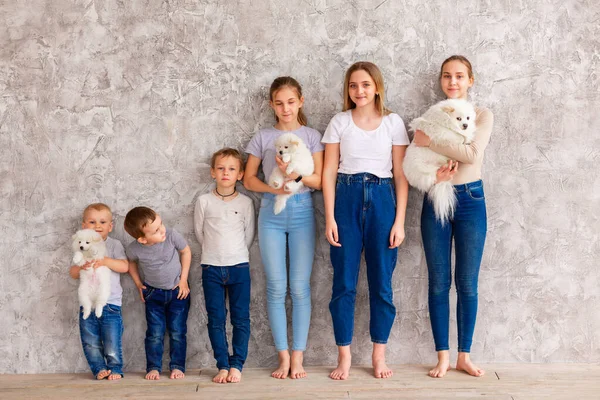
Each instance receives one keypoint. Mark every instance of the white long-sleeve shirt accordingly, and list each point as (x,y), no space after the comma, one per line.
(225,229)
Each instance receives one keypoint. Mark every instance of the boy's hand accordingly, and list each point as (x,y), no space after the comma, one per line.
(140,288)
(87,265)
(184,290)
(98,263)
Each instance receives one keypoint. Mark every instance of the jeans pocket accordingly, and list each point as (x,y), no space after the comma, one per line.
(147,293)
(476,193)
(111,308)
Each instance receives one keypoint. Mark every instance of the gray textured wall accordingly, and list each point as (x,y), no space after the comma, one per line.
(124,101)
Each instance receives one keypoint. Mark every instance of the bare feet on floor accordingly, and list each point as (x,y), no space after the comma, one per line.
(234,376)
(463,363)
(177,374)
(221,376)
(283,370)
(102,374)
(296,369)
(442,366)
(114,377)
(153,375)
(380,368)
(344,362)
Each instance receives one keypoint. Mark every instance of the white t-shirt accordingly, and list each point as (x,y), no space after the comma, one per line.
(366,151)
(225,229)
(115,250)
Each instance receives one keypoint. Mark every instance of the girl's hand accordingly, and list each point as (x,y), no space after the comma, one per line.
(141,287)
(281,165)
(281,190)
(446,172)
(421,139)
(331,233)
(397,235)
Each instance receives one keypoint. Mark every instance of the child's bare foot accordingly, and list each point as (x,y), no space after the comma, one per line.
(297,370)
(442,366)
(177,374)
(114,377)
(221,376)
(153,375)
(344,362)
(463,363)
(380,368)
(102,374)
(235,375)
(284,365)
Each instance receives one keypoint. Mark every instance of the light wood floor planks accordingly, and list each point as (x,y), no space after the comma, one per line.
(502,381)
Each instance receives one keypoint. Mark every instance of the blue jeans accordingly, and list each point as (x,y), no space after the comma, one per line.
(365,209)
(468,227)
(164,312)
(296,225)
(235,281)
(101,339)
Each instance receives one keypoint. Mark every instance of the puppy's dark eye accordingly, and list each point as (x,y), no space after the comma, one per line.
(468,118)
(87,242)
(459,118)
(285,147)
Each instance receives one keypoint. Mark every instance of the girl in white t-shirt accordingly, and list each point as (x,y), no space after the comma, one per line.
(365,195)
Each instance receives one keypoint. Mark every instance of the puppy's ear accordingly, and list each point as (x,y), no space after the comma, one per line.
(294,142)
(448,109)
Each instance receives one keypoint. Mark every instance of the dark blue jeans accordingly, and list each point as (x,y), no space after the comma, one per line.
(365,209)
(235,282)
(165,313)
(468,227)
(101,340)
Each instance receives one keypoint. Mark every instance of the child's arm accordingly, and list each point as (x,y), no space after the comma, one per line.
(397,233)
(120,266)
(332,161)
(312,181)
(185,256)
(199,221)
(249,225)
(135,275)
(251,181)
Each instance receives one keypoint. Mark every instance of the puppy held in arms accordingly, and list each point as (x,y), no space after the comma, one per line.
(292,150)
(94,283)
(446,123)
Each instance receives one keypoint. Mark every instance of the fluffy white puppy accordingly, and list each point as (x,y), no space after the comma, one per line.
(447,122)
(94,283)
(291,149)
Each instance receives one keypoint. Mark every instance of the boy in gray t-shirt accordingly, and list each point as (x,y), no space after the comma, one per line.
(164,257)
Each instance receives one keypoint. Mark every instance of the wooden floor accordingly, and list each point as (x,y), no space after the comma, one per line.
(502,381)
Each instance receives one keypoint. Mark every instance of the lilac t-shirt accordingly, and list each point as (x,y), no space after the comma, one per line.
(262,145)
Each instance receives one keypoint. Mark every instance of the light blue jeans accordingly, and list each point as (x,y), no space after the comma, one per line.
(296,226)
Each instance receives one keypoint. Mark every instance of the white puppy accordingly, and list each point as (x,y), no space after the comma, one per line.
(291,149)
(447,122)
(94,283)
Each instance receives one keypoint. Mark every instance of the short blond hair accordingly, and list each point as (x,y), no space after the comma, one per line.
(97,207)
(227,152)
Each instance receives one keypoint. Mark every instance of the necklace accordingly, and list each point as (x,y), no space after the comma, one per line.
(224,195)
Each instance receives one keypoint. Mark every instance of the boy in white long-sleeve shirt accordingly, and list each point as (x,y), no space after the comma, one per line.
(224,222)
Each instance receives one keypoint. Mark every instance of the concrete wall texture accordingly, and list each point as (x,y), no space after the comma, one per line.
(124,102)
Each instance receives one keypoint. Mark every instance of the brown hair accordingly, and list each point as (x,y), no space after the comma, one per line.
(280,83)
(227,152)
(136,219)
(463,60)
(97,207)
(377,77)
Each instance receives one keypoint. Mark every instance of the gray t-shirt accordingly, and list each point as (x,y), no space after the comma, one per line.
(262,145)
(225,229)
(159,263)
(115,250)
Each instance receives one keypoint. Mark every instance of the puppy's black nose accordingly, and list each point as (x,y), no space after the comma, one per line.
(465,126)
(81,247)
(281,152)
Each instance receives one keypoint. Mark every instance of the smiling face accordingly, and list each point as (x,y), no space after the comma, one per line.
(154,232)
(226,172)
(99,221)
(362,88)
(455,79)
(286,103)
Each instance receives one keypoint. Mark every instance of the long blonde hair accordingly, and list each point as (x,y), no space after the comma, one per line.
(377,77)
